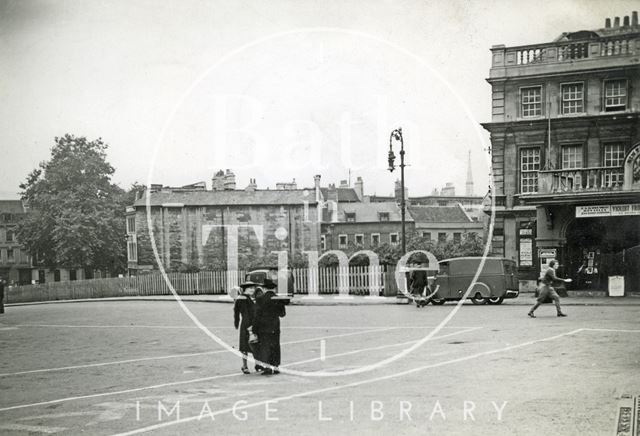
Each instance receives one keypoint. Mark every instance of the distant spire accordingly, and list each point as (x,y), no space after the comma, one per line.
(469,184)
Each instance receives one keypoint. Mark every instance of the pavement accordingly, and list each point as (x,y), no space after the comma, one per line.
(524,299)
(144,367)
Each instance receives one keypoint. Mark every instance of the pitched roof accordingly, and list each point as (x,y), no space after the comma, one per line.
(229,198)
(369,212)
(11,206)
(344,194)
(438,214)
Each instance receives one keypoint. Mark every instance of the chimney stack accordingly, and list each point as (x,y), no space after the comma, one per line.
(616,22)
(359,188)
(316,182)
(625,23)
(607,23)
(229,181)
(634,18)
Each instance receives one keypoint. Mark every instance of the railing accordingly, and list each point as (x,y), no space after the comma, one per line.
(581,180)
(328,280)
(564,51)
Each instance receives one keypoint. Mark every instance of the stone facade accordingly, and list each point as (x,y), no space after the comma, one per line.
(565,121)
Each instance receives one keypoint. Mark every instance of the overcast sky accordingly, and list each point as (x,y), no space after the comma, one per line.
(274,90)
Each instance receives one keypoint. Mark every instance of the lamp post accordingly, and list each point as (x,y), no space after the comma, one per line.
(397,135)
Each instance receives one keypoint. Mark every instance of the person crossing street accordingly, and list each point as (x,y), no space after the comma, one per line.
(547,290)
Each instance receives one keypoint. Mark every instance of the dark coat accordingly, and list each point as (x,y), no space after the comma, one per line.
(243,315)
(268,314)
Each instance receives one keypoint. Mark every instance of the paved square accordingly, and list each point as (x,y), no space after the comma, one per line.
(124,367)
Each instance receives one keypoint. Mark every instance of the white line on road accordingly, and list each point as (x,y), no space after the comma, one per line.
(611,330)
(163,385)
(347,385)
(173,356)
(131,326)
(31,428)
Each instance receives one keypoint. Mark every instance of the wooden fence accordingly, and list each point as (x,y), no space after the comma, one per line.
(357,280)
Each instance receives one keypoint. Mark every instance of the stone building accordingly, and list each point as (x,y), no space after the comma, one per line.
(565,137)
(15,263)
(443,223)
(195,227)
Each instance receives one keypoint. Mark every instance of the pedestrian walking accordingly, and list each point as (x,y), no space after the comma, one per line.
(418,281)
(546,289)
(267,326)
(243,315)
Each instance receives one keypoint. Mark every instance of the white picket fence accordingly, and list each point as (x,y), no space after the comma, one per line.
(355,280)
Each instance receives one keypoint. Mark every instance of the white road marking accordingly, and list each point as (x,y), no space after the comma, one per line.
(173,356)
(163,385)
(133,326)
(348,385)
(611,330)
(31,428)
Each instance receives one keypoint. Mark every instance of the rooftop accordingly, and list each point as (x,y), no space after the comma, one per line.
(229,198)
(438,214)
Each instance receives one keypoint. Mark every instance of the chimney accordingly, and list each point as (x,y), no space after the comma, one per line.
(634,18)
(359,188)
(344,184)
(316,185)
(217,181)
(607,23)
(229,181)
(252,186)
(616,22)
(625,23)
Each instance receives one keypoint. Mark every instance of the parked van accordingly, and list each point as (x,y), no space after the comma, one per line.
(497,280)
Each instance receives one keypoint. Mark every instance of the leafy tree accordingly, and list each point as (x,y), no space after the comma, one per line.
(76,215)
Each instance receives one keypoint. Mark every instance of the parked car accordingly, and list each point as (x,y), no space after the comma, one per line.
(497,280)
(269,278)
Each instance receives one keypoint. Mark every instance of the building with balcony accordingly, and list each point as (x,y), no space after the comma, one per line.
(565,135)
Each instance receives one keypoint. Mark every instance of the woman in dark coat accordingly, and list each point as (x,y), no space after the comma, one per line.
(243,311)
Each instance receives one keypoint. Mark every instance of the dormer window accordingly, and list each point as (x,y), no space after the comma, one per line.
(350,217)
(383,216)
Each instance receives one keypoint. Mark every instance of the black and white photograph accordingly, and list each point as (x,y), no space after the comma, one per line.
(306,217)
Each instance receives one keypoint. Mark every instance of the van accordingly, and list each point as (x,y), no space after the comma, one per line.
(497,280)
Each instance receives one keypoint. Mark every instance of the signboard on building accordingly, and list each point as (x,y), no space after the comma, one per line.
(526,252)
(607,210)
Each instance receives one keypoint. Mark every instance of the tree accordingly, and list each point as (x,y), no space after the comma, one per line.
(76,215)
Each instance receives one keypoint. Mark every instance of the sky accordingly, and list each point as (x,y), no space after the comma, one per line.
(274,90)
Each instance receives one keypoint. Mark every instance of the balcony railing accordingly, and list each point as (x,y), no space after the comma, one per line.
(578,180)
(567,51)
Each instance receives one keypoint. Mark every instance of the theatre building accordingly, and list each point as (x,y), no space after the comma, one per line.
(565,135)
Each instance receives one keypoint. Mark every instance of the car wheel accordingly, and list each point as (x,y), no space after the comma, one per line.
(437,301)
(495,300)
(478,299)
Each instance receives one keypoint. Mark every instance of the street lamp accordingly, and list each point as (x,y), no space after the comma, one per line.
(397,135)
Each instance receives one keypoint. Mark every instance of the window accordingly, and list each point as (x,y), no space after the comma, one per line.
(10,255)
(7,217)
(323,242)
(351,217)
(384,216)
(393,238)
(442,237)
(456,238)
(426,235)
(442,203)
(10,235)
(613,157)
(571,157)
(531,101)
(56,275)
(615,95)
(72,275)
(572,98)
(375,239)
(131,224)
(360,239)
(529,167)
(132,251)
(342,241)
